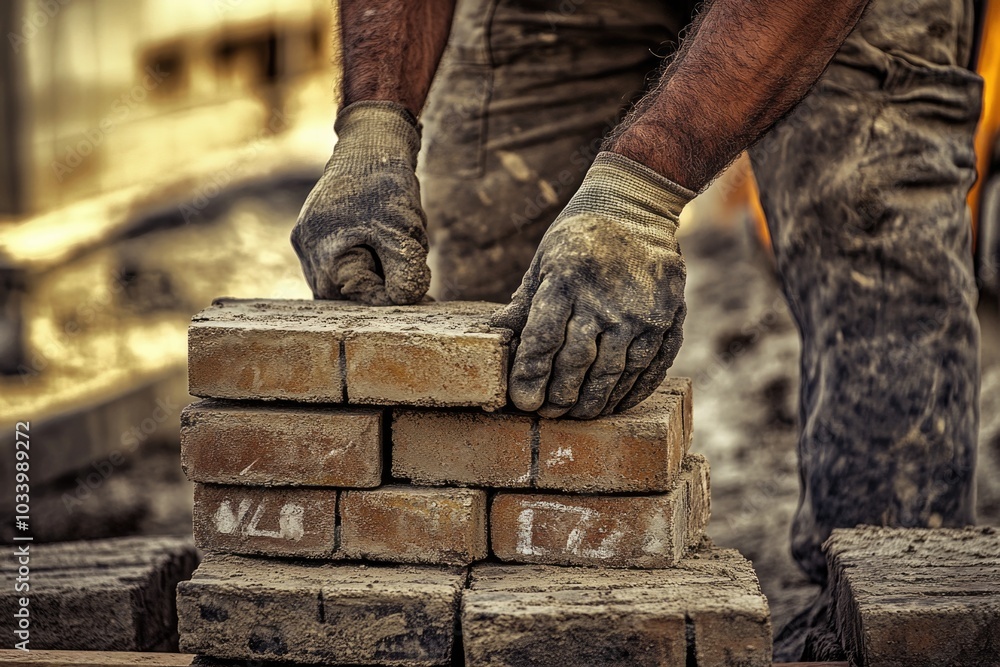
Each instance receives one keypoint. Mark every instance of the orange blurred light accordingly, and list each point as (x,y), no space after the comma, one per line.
(989,68)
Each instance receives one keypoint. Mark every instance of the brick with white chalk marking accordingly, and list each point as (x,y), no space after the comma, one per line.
(649,531)
(266,521)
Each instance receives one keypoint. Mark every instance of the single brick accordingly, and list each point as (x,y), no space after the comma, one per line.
(639,450)
(429,354)
(435,354)
(104,595)
(707,611)
(409,524)
(911,596)
(682,388)
(609,531)
(699,496)
(265,445)
(266,521)
(256,609)
(478,449)
(267,350)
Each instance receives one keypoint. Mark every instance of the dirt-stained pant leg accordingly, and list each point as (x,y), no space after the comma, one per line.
(864,187)
(526,91)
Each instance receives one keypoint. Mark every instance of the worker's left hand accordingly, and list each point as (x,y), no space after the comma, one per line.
(600,310)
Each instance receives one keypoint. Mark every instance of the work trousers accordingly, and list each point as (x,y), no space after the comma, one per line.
(864,187)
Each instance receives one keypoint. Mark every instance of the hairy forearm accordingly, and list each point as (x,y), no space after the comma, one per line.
(744,66)
(391,49)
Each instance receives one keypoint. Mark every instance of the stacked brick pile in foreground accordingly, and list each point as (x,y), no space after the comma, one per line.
(370,446)
(101,595)
(916,596)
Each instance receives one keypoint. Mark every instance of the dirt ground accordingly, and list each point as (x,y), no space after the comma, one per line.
(741,348)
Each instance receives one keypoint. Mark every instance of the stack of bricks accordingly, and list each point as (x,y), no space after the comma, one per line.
(366,497)
(916,596)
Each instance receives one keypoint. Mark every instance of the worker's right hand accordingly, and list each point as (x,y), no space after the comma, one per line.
(600,311)
(361,234)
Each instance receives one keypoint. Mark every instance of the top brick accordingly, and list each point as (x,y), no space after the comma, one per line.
(430,354)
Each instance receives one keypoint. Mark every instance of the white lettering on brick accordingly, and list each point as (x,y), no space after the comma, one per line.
(253,531)
(574,542)
(228,522)
(247,469)
(291,521)
(657,535)
(525,525)
(561,454)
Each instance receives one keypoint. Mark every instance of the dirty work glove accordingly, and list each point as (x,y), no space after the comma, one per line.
(600,310)
(361,234)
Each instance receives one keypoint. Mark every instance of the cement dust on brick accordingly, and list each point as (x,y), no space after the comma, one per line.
(371,535)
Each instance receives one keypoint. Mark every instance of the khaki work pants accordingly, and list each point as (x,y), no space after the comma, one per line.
(864,187)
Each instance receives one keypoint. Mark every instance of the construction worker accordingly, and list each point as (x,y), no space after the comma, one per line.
(863,183)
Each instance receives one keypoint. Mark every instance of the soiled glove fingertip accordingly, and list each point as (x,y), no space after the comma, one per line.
(552,411)
(408,285)
(585,410)
(526,398)
(513,316)
(644,386)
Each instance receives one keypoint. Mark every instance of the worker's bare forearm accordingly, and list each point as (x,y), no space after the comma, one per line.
(745,65)
(392,48)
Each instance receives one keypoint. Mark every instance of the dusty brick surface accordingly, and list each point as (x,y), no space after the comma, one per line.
(682,388)
(636,451)
(437,355)
(477,449)
(104,595)
(431,354)
(698,487)
(337,614)
(910,596)
(639,451)
(266,521)
(266,350)
(648,531)
(267,445)
(707,611)
(414,525)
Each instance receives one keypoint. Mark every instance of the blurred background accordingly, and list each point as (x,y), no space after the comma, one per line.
(154,155)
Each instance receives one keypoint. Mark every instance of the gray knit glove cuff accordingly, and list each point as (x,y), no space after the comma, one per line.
(376,134)
(616,184)
(361,234)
